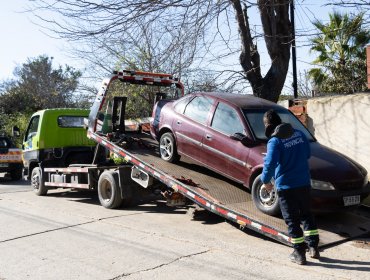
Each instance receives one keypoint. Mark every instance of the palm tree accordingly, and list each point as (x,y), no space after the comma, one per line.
(342,59)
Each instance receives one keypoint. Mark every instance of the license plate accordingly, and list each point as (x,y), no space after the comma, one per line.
(4,165)
(351,200)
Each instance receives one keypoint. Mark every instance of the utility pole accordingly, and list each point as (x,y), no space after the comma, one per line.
(294,57)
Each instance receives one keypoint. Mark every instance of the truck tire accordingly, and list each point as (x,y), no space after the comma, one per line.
(37,182)
(16,174)
(267,203)
(108,190)
(168,148)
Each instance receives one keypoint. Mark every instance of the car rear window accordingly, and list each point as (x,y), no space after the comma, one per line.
(71,121)
(5,143)
(255,120)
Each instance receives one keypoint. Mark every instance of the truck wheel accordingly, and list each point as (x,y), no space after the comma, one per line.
(37,182)
(16,174)
(168,148)
(266,202)
(108,190)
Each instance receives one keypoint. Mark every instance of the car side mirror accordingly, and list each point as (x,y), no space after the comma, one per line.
(245,140)
(15,131)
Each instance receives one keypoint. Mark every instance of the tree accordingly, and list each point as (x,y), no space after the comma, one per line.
(38,86)
(190,30)
(8,121)
(362,6)
(342,59)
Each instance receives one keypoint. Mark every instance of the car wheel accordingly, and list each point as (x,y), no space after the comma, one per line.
(168,148)
(266,202)
(37,182)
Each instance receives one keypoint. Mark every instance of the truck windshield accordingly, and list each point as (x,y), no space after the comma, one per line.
(255,120)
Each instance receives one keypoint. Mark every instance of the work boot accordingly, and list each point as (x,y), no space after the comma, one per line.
(314,252)
(298,256)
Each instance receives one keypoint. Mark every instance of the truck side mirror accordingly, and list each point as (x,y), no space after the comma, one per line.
(245,140)
(15,131)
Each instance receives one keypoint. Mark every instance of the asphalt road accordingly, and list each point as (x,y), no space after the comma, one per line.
(68,235)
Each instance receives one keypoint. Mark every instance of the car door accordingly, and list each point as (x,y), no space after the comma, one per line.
(189,125)
(226,155)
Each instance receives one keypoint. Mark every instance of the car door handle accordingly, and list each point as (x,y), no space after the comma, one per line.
(208,137)
(178,122)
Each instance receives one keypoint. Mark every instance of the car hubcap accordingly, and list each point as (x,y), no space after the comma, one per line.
(166,148)
(267,198)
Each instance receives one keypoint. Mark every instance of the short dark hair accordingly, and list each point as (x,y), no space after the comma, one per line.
(271,118)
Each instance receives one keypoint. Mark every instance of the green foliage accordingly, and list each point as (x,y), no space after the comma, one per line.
(7,121)
(140,98)
(341,54)
(117,159)
(38,86)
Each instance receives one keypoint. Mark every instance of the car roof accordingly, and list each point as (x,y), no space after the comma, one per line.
(244,101)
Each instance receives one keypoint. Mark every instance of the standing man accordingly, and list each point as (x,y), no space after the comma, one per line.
(286,161)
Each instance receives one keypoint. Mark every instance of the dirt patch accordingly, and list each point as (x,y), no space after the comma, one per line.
(363,243)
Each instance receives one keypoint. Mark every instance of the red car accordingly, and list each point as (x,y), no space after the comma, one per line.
(225,133)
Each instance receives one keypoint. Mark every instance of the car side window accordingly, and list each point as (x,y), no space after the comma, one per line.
(226,120)
(198,109)
(181,104)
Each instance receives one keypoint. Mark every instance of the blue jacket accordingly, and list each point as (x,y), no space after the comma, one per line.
(286,160)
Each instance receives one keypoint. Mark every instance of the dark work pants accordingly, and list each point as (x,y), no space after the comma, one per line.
(295,208)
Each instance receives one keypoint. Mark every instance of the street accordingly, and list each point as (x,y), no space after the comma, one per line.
(68,235)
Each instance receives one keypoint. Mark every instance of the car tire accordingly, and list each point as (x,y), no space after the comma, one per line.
(168,148)
(16,174)
(37,182)
(108,190)
(267,203)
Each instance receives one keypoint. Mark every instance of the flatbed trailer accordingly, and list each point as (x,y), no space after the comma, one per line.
(144,168)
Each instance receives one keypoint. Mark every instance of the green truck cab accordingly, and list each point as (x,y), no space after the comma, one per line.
(56,137)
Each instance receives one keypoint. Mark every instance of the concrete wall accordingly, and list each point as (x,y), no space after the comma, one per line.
(342,123)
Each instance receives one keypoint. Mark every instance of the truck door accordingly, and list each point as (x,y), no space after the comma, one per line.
(30,141)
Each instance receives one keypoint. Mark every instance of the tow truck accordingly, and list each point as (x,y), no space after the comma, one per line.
(142,170)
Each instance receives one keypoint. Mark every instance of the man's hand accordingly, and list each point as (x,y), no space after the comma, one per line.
(269,187)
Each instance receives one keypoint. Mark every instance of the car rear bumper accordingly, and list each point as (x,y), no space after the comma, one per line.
(10,166)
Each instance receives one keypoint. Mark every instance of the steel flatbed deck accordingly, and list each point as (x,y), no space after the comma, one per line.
(224,197)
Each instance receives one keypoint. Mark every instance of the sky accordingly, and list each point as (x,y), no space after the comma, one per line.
(22,39)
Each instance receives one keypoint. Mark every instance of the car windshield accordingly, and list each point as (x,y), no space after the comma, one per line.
(255,119)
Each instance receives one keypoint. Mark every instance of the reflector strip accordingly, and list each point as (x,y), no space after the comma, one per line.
(13,155)
(67,185)
(67,170)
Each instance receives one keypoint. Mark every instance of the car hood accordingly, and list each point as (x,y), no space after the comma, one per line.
(331,166)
